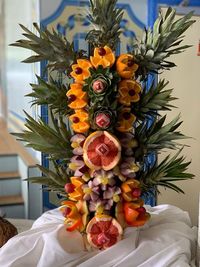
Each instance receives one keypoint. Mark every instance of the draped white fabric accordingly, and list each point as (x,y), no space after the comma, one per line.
(168,239)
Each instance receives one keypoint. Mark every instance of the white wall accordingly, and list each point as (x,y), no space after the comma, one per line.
(185,79)
(18,75)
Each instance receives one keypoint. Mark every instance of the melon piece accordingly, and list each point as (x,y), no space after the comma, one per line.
(83,210)
(119,214)
(101,150)
(103,231)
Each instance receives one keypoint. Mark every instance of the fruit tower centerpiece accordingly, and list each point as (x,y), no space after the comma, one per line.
(100,162)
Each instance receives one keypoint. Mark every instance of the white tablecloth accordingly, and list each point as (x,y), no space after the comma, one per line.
(168,239)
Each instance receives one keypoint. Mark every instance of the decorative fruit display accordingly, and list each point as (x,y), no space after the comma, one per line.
(106,123)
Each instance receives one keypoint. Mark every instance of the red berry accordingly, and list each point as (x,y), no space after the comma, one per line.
(71,98)
(101,51)
(136,192)
(75,120)
(130,63)
(84,169)
(78,71)
(141,210)
(69,188)
(66,211)
(79,158)
(131,92)
(126,115)
(82,143)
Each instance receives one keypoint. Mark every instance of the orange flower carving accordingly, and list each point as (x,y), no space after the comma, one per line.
(103,56)
(128,92)
(79,121)
(77,192)
(131,190)
(81,70)
(135,213)
(76,97)
(125,65)
(73,218)
(126,120)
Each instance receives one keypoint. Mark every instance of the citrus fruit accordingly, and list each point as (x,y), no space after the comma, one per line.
(101,150)
(126,67)
(76,97)
(103,56)
(103,231)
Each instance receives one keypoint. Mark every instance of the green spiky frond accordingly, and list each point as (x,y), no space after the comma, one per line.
(52,141)
(52,47)
(52,93)
(156,99)
(105,18)
(53,180)
(158,136)
(166,173)
(161,42)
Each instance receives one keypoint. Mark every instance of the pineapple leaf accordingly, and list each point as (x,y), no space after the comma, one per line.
(52,94)
(40,136)
(156,99)
(166,173)
(157,136)
(161,42)
(52,47)
(105,18)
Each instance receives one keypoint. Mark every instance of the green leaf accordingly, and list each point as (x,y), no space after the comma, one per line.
(105,18)
(52,47)
(166,33)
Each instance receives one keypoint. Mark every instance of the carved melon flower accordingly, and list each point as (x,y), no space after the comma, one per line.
(91,191)
(111,195)
(128,143)
(81,70)
(104,178)
(128,92)
(103,56)
(78,166)
(77,142)
(128,168)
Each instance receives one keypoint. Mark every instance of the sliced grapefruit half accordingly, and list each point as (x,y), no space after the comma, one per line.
(103,231)
(101,150)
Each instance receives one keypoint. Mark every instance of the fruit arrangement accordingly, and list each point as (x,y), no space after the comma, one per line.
(104,179)
(106,123)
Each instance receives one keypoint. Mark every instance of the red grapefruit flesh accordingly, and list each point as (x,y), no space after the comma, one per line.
(101,150)
(103,231)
